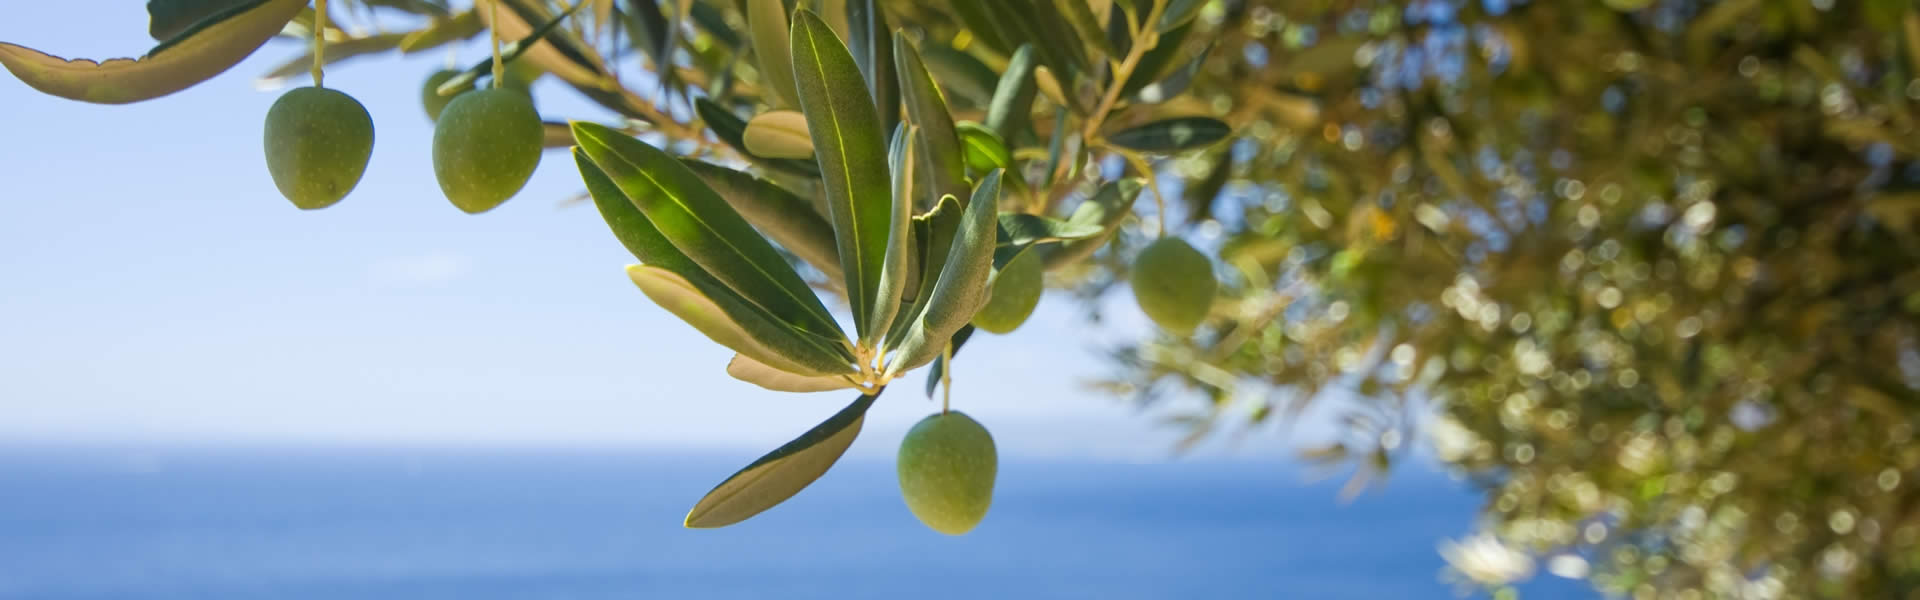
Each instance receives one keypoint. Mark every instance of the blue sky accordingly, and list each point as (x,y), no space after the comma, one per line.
(155,286)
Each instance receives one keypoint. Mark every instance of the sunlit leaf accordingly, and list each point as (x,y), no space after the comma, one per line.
(732,130)
(900,244)
(745,368)
(848,143)
(789,219)
(208,48)
(704,227)
(782,473)
(983,149)
(962,287)
(933,237)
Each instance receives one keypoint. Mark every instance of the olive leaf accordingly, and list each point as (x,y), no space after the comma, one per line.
(1084,23)
(772,378)
(779,134)
(556,52)
(1108,208)
(983,149)
(1155,63)
(932,236)
(701,225)
(767,22)
(168,18)
(1178,13)
(970,81)
(869,40)
(939,367)
(962,287)
(697,298)
(897,268)
(1012,102)
(1175,82)
(1020,229)
(780,474)
(945,170)
(848,145)
(209,47)
(789,219)
(1172,135)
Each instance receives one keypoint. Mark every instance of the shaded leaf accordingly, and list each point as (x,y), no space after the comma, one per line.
(1175,82)
(1108,208)
(970,81)
(169,18)
(508,53)
(1019,229)
(939,368)
(789,219)
(442,32)
(848,145)
(1172,135)
(704,227)
(731,129)
(782,473)
(1084,23)
(962,287)
(869,39)
(1157,61)
(207,48)
(1009,112)
(337,52)
(745,368)
(932,235)
(779,134)
(945,169)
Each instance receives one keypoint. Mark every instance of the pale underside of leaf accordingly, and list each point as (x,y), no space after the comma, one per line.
(746,368)
(767,22)
(681,297)
(206,50)
(897,267)
(779,134)
(962,287)
(782,473)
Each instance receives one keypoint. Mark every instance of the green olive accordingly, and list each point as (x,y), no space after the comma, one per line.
(1174,284)
(485,146)
(1016,290)
(430,94)
(947,465)
(318,141)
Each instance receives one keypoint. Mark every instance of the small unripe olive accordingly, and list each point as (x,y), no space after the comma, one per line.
(1016,290)
(430,94)
(485,146)
(947,465)
(1174,284)
(318,141)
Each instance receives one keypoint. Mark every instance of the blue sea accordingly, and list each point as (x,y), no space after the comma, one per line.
(98,522)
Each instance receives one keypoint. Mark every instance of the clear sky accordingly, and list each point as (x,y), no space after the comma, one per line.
(155,286)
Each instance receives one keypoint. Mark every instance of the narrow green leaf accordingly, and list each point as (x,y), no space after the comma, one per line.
(649,26)
(1179,13)
(730,321)
(732,130)
(932,235)
(782,473)
(695,296)
(779,134)
(970,81)
(705,228)
(207,48)
(983,149)
(789,219)
(848,145)
(870,42)
(1157,61)
(1019,229)
(1175,82)
(978,17)
(939,368)
(745,368)
(1013,96)
(1056,147)
(1081,17)
(962,287)
(1108,208)
(767,22)
(898,265)
(945,168)
(168,18)
(1172,135)
(555,51)
(714,22)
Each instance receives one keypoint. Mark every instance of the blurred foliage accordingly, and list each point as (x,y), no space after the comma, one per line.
(1651,262)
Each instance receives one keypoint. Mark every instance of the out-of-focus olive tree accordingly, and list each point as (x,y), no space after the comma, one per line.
(1645,270)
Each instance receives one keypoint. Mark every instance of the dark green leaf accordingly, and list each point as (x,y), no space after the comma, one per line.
(1155,64)
(962,287)
(705,228)
(1179,13)
(782,473)
(1108,208)
(206,48)
(869,41)
(1172,135)
(1020,229)
(1174,83)
(939,368)
(969,81)
(1084,23)
(1013,96)
(647,24)
(789,219)
(731,129)
(945,167)
(848,143)
(933,235)
(168,18)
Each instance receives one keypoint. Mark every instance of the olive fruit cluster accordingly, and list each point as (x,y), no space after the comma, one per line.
(486,143)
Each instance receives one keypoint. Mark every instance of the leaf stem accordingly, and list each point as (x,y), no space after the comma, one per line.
(319,42)
(946,378)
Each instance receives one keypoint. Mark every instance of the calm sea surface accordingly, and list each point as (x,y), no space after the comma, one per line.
(346,524)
